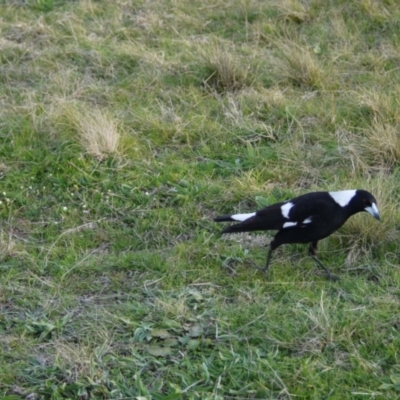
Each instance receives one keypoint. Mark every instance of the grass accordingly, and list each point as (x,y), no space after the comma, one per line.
(125,128)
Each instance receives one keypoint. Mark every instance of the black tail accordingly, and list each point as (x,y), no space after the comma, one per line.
(250,225)
(223,218)
(243,227)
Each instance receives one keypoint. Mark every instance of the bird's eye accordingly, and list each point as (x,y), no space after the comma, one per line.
(366,202)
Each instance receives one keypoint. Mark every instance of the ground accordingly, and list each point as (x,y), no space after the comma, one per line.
(125,127)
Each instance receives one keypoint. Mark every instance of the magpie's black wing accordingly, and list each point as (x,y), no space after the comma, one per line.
(313,220)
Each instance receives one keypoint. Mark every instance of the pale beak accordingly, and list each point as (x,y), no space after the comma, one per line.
(373,210)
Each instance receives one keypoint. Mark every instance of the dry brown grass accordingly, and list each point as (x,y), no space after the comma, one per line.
(292,10)
(383,143)
(300,66)
(383,105)
(226,72)
(98,131)
(382,135)
(376,10)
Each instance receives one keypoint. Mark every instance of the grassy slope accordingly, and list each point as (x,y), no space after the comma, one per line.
(114,280)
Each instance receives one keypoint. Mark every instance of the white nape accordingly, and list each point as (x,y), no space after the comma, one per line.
(286,208)
(343,197)
(289,224)
(242,217)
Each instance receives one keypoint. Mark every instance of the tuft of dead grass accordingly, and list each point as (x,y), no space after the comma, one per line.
(97,130)
(225,71)
(99,133)
(375,10)
(383,143)
(292,11)
(383,106)
(300,66)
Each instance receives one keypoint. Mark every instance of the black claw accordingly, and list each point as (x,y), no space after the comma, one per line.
(332,277)
(263,269)
(328,275)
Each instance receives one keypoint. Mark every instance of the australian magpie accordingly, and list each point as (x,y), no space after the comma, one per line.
(304,219)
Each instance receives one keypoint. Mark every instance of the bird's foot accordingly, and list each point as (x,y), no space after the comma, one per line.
(263,269)
(332,277)
(328,275)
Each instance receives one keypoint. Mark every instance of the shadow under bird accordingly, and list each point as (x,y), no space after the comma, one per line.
(304,219)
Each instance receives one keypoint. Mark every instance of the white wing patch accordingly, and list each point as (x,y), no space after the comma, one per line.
(307,220)
(343,197)
(286,208)
(289,224)
(242,217)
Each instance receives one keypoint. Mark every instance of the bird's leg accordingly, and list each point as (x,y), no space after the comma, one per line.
(312,250)
(329,275)
(265,269)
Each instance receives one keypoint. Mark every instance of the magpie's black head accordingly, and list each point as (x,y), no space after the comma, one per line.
(365,201)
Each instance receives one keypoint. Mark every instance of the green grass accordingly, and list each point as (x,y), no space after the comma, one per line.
(126,126)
